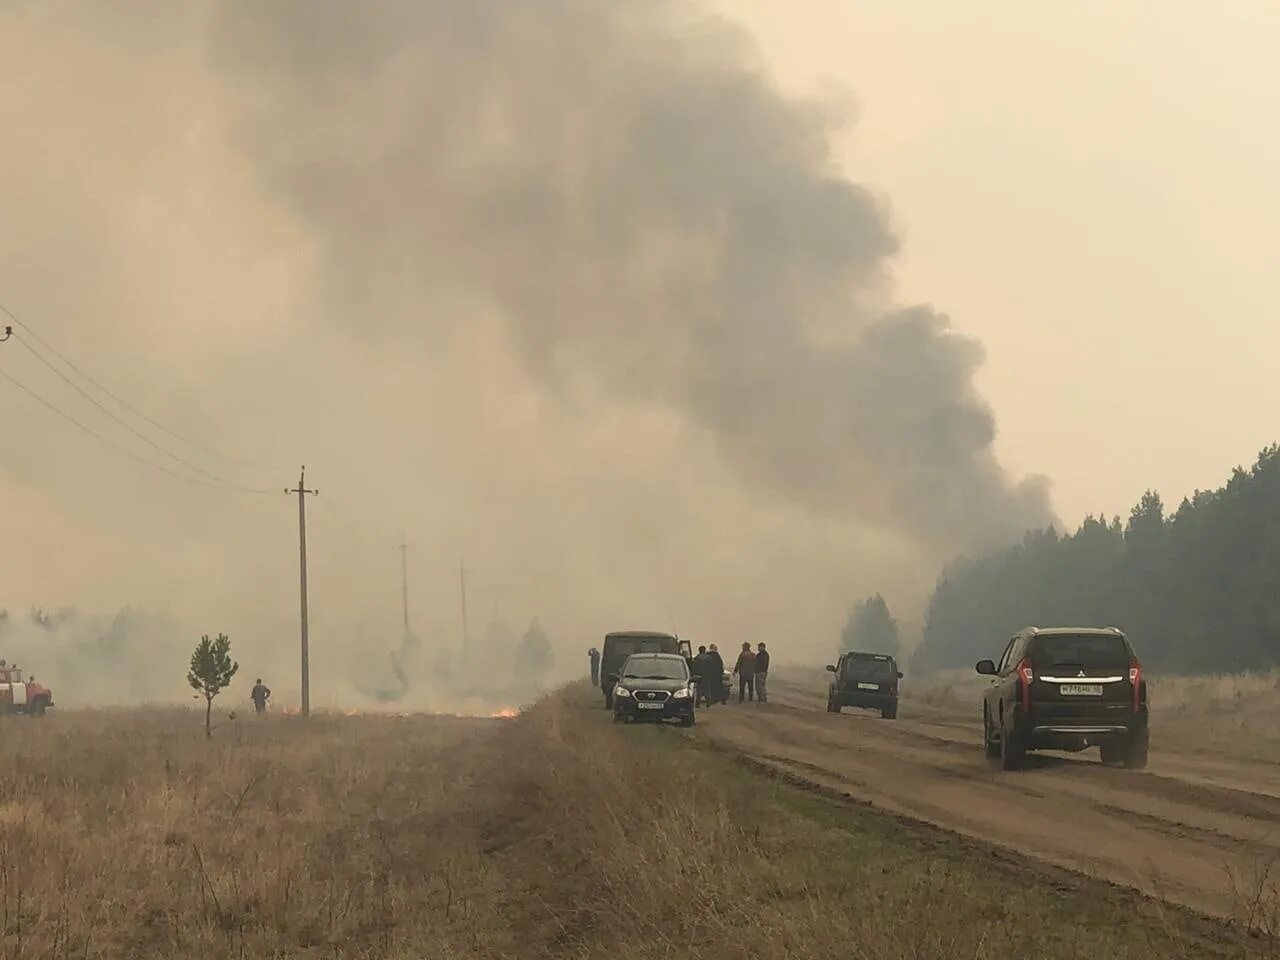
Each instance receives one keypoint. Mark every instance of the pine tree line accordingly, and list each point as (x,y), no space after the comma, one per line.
(1198,591)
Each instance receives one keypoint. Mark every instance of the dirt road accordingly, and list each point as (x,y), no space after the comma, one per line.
(1200,831)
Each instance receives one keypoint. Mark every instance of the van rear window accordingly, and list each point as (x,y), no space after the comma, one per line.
(625,646)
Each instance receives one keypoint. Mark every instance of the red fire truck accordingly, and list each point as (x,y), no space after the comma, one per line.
(18,695)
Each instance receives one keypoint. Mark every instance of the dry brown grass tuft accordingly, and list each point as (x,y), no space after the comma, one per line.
(1234,715)
(125,834)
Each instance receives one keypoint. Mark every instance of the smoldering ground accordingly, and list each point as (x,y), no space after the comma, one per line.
(568,287)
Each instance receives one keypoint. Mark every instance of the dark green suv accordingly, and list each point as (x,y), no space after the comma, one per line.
(866,680)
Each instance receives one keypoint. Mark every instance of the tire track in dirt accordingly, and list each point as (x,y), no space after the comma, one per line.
(1202,832)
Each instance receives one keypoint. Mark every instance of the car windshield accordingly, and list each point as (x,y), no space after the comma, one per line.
(1079,650)
(655,670)
(869,669)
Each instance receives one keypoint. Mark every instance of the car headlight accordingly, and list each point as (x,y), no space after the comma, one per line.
(681,694)
(621,692)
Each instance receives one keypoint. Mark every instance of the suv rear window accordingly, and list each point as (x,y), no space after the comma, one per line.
(870,669)
(1079,650)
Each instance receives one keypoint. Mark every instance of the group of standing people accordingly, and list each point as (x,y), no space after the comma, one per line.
(751,669)
(707,668)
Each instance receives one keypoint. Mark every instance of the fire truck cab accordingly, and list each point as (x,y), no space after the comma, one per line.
(19,695)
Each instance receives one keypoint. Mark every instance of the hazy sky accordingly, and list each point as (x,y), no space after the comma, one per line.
(500,276)
(1092,190)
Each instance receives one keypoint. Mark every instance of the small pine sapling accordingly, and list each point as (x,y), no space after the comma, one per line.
(211,671)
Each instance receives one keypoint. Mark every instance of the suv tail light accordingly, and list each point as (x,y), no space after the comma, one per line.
(1025,676)
(1135,680)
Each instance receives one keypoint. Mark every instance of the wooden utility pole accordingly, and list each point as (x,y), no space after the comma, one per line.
(404,581)
(302,493)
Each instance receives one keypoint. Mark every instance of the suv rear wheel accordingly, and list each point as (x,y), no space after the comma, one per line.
(1139,747)
(1013,752)
(1131,752)
(889,713)
(989,743)
(833,705)
(608,699)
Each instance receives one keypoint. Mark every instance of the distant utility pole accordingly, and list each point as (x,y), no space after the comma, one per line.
(302,493)
(462,576)
(404,581)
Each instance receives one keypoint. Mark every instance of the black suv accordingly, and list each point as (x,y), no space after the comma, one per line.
(1066,688)
(654,686)
(868,680)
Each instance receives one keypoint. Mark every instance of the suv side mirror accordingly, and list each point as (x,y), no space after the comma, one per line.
(986,668)
(830,668)
(899,676)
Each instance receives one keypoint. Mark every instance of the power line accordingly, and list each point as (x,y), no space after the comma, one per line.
(141,436)
(97,436)
(116,397)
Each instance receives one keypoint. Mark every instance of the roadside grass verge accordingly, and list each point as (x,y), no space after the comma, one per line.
(558,834)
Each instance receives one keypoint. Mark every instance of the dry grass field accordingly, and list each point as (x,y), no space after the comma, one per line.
(556,834)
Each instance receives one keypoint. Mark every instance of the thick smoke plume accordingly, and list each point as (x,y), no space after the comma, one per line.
(646,216)
(568,290)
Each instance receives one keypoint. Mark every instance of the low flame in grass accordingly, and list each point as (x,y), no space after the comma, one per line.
(351,713)
(506,713)
(291,711)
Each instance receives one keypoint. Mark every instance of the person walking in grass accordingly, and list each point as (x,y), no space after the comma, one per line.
(260,694)
(762,674)
(745,668)
(594,656)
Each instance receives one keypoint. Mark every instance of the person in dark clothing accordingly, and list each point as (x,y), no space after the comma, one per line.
(745,668)
(594,655)
(700,678)
(714,670)
(762,674)
(260,694)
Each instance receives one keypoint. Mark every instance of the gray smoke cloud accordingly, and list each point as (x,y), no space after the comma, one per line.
(646,215)
(569,290)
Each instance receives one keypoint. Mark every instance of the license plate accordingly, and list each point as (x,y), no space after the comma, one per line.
(868,686)
(650,706)
(1081,690)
